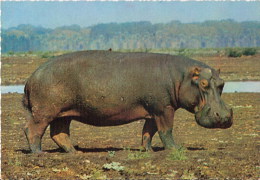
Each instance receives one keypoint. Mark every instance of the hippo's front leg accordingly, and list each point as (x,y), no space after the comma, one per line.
(165,125)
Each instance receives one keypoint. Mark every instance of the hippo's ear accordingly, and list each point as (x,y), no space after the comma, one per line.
(195,73)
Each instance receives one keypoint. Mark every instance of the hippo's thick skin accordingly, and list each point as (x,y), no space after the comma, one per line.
(105,88)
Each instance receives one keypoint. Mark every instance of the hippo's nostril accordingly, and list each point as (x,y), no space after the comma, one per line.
(216,114)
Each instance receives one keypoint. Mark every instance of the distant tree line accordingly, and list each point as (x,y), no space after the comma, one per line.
(133,35)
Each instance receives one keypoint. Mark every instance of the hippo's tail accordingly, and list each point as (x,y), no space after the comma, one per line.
(26,98)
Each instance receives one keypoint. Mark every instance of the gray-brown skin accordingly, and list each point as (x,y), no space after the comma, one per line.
(105,88)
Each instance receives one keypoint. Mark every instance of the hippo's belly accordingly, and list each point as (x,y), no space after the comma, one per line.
(108,117)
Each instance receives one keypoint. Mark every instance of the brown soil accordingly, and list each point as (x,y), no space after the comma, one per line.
(235,69)
(210,153)
(15,70)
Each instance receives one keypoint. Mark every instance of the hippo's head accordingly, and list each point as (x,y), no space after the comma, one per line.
(204,99)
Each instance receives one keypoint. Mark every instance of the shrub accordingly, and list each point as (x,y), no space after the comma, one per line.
(234,53)
(10,53)
(47,55)
(249,51)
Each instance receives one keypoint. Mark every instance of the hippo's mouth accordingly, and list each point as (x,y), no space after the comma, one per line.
(205,119)
(202,111)
(201,116)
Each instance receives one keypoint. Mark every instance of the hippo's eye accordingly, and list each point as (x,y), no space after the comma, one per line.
(204,83)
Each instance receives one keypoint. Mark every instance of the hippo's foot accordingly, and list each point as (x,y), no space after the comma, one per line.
(167,139)
(146,149)
(59,131)
(146,144)
(149,130)
(68,148)
(175,146)
(63,141)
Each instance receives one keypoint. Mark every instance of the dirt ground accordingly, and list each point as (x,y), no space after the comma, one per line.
(15,70)
(113,152)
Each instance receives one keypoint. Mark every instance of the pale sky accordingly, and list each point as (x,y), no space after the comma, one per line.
(55,14)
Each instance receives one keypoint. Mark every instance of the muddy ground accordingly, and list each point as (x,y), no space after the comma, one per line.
(209,153)
(15,69)
(114,152)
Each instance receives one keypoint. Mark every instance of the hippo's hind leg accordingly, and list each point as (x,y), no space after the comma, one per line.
(34,131)
(59,131)
(149,129)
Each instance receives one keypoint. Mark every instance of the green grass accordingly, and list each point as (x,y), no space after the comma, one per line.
(134,155)
(177,154)
(111,153)
(14,162)
(113,166)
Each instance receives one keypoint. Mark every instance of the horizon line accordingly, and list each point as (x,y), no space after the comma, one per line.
(106,23)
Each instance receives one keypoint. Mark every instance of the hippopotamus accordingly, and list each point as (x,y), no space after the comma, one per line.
(107,88)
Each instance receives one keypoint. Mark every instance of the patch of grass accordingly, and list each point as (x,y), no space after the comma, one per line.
(96,175)
(14,162)
(6,65)
(177,154)
(133,155)
(111,153)
(188,175)
(47,55)
(113,166)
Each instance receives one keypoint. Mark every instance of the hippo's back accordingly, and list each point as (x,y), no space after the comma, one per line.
(104,78)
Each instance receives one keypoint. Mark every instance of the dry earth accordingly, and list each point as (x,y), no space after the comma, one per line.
(229,153)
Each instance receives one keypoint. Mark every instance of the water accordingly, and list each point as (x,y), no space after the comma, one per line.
(243,86)
(230,87)
(12,89)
